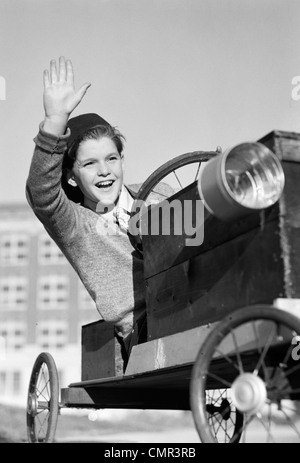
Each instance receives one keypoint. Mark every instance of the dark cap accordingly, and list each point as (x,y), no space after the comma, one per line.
(79,125)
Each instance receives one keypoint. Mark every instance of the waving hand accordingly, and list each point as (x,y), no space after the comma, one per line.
(60,96)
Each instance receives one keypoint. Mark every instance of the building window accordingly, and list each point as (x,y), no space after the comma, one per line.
(52,334)
(84,299)
(14,249)
(49,252)
(13,293)
(14,334)
(53,292)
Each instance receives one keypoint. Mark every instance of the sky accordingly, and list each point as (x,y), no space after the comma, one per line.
(173,75)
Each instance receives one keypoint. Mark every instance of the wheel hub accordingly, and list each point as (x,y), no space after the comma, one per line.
(249,393)
(32,405)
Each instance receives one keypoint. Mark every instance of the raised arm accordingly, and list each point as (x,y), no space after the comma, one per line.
(43,188)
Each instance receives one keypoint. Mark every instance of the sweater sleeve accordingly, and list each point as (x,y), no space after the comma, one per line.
(44,192)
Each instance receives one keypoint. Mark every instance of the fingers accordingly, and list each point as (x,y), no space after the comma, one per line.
(53,71)
(62,69)
(70,73)
(62,74)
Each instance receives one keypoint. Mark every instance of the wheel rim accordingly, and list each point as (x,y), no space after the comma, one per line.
(183,170)
(42,400)
(250,354)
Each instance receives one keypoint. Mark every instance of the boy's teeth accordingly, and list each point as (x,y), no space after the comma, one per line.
(104,184)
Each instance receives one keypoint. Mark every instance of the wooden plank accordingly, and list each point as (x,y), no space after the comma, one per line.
(183,347)
(165,389)
(286,145)
(100,353)
(290,229)
(169,351)
(127,398)
(165,251)
(247,270)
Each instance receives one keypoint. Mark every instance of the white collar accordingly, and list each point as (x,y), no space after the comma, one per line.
(125,199)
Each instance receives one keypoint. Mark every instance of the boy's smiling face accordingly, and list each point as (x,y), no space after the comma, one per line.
(98,172)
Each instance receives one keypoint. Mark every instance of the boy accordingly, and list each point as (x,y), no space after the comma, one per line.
(75,188)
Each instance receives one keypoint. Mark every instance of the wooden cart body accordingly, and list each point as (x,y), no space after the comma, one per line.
(255,260)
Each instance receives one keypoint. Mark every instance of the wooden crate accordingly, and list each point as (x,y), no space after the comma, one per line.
(249,261)
(100,352)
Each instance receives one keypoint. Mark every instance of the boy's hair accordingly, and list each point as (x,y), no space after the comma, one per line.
(94,133)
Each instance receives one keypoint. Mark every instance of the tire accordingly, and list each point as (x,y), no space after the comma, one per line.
(43,400)
(250,353)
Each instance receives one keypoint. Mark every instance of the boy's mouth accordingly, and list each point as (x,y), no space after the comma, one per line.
(104,184)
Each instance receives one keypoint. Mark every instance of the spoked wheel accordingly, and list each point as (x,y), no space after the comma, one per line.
(253,354)
(168,179)
(223,417)
(175,174)
(42,403)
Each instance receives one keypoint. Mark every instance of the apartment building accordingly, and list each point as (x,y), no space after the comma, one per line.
(43,304)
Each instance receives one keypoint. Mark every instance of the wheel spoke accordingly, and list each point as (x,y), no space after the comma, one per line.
(290,422)
(265,370)
(45,382)
(42,423)
(174,172)
(289,391)
(213,422)
(287,356)
(159,193)
(229,360)
(40,394)
(46,379)
(260,419)
(218,378)
(197,173)
(264,352)
(238,355)
(290,408)
(220,424)
(221,416)
(291,370)
(247,421)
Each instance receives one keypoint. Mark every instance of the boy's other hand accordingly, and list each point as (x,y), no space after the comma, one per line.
(60,97)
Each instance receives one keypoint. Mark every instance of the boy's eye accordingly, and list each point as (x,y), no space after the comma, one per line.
(89,163)
(112,158)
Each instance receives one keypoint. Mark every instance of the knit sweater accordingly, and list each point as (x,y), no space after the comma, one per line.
(106,262)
